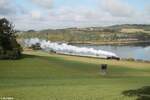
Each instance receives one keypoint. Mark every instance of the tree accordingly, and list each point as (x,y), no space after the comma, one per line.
(9,48)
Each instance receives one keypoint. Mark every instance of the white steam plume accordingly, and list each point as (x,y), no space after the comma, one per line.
(68,49)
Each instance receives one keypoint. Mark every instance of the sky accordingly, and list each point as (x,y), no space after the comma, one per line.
(46,14)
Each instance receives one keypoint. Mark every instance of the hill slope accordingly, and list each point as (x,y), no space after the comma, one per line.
(42,76)
(94,35)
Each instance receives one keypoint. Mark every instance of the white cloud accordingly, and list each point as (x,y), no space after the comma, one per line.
(43,15)
(43,3)
(7,7)
(35,14)
(147,10)
(117,8)
(77,14)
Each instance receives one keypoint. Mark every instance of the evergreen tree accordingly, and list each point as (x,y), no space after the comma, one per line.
(9,48)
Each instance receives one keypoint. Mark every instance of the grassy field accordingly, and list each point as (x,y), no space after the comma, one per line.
(43,76)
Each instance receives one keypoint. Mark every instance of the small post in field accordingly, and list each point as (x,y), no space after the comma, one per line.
(103,69)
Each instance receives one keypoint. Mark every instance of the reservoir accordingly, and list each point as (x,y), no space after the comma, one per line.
(136,52)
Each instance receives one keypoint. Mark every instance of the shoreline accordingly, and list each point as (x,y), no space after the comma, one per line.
(117,43)
(121,59)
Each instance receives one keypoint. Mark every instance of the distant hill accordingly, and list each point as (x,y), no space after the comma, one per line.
(94,35)
(131,26)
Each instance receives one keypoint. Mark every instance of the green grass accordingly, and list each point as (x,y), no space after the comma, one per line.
(40,76)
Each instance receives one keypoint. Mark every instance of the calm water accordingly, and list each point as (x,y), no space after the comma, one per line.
(136,52)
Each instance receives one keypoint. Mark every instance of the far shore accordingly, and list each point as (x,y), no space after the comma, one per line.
(119,43)
(26,50)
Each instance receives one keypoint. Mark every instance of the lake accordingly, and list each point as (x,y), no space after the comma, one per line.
(136,52)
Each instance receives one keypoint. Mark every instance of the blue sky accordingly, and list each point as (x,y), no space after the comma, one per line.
(43,14)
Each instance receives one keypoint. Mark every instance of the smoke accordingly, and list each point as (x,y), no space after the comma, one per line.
(67,49)
(147,48)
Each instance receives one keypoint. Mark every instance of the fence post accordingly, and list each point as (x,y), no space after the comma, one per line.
(103,69)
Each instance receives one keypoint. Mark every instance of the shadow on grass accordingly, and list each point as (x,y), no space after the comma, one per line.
(141,93)
(23,56)
(28,56)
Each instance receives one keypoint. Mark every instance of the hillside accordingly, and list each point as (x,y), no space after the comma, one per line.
(60,77)
(94,35)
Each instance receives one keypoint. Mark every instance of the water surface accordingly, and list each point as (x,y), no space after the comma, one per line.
(136,52)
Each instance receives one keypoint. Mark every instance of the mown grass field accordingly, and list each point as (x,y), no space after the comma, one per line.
(43,76)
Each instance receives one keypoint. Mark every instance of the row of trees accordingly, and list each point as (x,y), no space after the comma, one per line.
(9,48)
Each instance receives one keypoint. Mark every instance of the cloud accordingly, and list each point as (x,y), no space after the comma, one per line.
(117,8)
(7,7)
(147,10)
(80,14)
(40,14)
(67,17)
(35,14)
(43,3)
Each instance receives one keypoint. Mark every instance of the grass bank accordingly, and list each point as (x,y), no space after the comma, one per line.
(43,76)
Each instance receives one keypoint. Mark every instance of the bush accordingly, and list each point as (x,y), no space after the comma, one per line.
(36,46)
